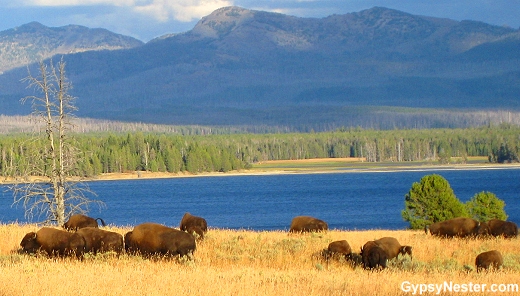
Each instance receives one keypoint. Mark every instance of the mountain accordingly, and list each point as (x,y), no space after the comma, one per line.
(33,42)
(247,67)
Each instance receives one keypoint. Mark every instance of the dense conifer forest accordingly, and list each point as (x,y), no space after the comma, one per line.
(172,152)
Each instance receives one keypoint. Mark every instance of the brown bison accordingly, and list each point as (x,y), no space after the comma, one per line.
(78,221)
(456,227)
(99,240)
(496,227)
(339,248)
(307,224)
(488,259)
(54,242)
(150,239)
(191,224)
(373,256)
(392,247)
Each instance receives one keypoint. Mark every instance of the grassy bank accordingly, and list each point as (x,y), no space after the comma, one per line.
(240,262)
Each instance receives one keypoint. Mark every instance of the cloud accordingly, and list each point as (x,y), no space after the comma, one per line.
(180,10)
(161,10)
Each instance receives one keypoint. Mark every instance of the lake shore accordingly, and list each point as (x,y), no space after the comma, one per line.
(302,166)
(310,166)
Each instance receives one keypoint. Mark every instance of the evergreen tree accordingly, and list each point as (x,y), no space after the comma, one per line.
(431,200)
(485,206)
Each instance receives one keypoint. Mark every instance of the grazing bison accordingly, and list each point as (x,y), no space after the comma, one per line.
(99,240)
(373,256)
(307,224)
(191,224)
(150,239)
(78,221)
(456,227)
(54,242)
(392,247)
(488,259)
(339,248)
(496,227)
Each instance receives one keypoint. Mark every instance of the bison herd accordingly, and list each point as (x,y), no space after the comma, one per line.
(376,253)
(82,235)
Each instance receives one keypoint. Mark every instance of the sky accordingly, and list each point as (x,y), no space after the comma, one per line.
(148,19)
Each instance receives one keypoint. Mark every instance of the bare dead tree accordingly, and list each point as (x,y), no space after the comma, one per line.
(49,185)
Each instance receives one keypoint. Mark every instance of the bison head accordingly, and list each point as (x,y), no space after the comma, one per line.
(29,243)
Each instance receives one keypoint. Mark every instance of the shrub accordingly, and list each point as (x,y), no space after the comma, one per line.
(485,206)
(431,200)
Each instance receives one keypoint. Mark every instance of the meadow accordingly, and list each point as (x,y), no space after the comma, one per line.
(243,262)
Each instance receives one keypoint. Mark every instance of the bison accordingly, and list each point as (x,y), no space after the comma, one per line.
(392,247)
(307,224)
(488,259)
(373,256)
(149,239)
(496,227)
(339,248)
(99,240)
(78,221)
(456,227)
(54,242)
(191,224)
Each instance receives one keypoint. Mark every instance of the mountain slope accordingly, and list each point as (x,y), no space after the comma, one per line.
(239,66)
(32,42)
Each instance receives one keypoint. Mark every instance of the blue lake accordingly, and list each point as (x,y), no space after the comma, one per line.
(350,200)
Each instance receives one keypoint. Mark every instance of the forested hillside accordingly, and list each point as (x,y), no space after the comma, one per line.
(110,152)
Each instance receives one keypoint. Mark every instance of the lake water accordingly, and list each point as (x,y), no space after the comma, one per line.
(350,200)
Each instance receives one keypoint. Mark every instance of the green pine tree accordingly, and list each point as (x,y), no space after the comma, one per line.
(431,200)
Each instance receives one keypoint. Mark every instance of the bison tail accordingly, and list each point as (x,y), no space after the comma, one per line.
(102,222)
(426,228)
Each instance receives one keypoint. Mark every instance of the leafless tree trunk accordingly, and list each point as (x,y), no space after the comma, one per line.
(55,195)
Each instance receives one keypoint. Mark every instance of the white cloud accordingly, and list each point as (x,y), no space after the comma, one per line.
(180,10)
(161,10)
(54,3)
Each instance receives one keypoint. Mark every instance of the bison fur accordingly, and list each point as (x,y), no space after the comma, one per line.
(307,224)
(54,242)
(78,221)
(152,239)
(496,227)
(373,256)
(101,241)
(456,227)
(194,224)
(393,248)
(489,259)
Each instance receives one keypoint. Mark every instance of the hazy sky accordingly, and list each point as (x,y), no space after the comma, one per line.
(147,19)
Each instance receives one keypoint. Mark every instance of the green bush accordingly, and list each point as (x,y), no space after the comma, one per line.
(485,206)
(431,200)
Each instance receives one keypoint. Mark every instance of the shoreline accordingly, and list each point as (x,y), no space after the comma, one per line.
(355,167)
(289,171)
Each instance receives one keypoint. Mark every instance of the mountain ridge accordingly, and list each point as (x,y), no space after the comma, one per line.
(240,66)
(33,41)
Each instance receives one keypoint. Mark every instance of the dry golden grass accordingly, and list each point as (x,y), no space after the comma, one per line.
(231,262)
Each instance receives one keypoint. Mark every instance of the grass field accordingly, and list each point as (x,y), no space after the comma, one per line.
(240,262)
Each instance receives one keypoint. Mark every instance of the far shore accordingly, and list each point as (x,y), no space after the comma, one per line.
(305,166)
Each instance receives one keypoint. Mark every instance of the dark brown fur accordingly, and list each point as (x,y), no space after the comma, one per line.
(150,239)
(340,249)
(99,240)
(190,223)
(54,242)
(496,227)
(489,259)
(392,247)
(456,227)
(373,256)
(78,221)
(307,224)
